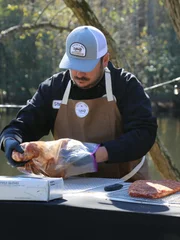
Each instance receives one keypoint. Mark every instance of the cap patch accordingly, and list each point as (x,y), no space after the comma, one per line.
(77,49)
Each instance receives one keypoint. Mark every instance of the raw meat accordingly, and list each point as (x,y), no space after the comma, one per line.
(58,158)
(43,156)
(153,188)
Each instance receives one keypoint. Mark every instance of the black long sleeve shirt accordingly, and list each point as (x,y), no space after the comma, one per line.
(37,118)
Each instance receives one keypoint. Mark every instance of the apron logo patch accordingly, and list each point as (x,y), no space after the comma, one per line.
(81,109)
(56,104)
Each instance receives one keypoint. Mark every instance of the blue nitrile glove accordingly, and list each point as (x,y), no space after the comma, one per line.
(78,157)
(11,144)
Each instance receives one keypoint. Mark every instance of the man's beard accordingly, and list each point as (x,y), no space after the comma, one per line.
(92,84)
(81,79)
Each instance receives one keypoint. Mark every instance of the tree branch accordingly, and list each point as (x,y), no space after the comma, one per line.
(55,15)
(28,27)
(43,11)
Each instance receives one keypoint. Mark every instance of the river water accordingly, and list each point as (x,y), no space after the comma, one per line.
(168,130)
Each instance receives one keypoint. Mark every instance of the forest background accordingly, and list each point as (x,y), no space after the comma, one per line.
(33,34)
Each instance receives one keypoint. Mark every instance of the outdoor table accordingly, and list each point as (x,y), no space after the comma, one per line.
(87,217)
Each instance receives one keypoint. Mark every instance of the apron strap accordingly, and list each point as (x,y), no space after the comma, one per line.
(108,85)
(66,93)
(134,171)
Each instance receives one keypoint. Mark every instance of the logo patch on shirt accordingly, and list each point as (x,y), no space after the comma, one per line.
(56,104)
(77,49)
(81,109)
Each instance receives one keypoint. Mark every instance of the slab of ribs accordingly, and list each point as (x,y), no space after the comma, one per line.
(153,188)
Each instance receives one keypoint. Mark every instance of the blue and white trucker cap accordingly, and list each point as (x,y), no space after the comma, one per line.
(85,45)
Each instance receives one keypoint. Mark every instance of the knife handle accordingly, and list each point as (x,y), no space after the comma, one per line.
(113,187)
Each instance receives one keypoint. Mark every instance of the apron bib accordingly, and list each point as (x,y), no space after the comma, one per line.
(97,120)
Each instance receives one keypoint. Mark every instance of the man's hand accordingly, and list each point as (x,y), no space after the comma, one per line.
(11,144)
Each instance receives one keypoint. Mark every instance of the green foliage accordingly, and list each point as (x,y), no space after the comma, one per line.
(141,28)
(26,58)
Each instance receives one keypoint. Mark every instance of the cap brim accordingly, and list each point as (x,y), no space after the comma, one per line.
(82,65)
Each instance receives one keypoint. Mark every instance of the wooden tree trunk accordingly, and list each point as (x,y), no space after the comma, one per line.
(163,161)
(173,8)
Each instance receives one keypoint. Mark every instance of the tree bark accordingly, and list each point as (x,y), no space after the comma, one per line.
(173,8)
(163,161)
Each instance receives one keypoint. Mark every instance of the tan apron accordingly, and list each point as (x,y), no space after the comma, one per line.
(96,120)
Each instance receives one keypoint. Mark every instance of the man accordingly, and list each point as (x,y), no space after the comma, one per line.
(91,101)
